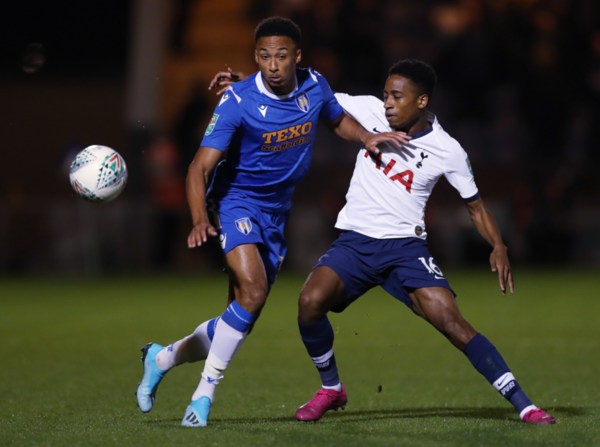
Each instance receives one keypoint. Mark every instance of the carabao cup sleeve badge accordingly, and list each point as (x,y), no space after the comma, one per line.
(469,165)
(212,124)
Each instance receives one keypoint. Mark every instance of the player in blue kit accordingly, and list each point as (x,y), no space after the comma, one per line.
(268,124)
(384,238)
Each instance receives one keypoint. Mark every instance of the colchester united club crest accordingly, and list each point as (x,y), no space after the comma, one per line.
(244,225)
(303,102)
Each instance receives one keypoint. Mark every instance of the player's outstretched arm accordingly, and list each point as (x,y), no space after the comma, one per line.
(197,179)
(224,79)
(486,225)
(349,129)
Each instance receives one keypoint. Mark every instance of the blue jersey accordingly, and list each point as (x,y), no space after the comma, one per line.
(270,138)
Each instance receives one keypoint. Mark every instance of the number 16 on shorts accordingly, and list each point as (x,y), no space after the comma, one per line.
(432,268)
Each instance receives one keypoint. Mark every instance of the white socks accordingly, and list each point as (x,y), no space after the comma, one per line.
(229,332)
(337,387)
(225,344)
(526,410)
(190,349)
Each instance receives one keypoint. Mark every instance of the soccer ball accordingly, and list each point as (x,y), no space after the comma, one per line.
(98,174)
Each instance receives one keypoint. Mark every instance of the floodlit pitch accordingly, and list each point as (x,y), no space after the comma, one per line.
(69,369)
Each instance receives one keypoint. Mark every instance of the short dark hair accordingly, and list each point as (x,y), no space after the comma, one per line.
(420,73)
(278,26)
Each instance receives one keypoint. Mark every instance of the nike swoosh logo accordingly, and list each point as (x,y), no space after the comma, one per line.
(503,381)
(375,130)
(506,381)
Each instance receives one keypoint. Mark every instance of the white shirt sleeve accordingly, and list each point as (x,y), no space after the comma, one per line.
(459,173)
(366,110)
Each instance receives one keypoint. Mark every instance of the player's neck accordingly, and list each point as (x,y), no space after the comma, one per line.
(417,126)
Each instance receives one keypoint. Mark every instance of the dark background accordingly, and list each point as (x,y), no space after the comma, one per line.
(519,88)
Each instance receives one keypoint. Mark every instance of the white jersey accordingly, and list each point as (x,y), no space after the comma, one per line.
(387,196)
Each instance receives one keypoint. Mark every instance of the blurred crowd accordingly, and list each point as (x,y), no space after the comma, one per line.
(519,88)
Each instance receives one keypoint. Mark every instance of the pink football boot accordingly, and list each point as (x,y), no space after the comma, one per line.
(538,416)
(323,401)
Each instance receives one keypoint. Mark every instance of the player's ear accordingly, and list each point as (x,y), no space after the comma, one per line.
(423,101)
(298,55)
(256,56)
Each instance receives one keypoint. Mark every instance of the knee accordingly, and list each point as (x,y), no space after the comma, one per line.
(458,329)
(311,305)
(252,297)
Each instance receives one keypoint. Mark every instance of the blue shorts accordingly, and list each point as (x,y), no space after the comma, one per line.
(397,265)
(239,222)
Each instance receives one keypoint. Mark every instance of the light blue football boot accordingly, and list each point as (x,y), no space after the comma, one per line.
(146,392)
(196,414)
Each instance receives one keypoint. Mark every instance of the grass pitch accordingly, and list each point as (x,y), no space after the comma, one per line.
(69,366)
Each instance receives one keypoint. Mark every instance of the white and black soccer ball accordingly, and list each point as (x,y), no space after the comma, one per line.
(98,174)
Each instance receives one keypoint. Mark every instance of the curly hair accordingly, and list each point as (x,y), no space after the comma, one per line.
(419,72)
(278,26)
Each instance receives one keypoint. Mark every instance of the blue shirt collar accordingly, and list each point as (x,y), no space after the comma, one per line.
(263,89)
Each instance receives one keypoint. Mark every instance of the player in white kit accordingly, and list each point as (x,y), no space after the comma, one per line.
(384,239)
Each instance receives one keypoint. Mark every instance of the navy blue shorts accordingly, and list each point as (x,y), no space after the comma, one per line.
(239,222)
(397,265)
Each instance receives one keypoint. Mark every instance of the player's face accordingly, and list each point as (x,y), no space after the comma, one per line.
(403,103)
(277,57)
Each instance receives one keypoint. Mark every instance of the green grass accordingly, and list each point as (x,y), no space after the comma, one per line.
(69,365)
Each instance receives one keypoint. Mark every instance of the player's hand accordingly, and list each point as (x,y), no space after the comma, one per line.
(224,79)
(500,264)
(373,139)
(200,233)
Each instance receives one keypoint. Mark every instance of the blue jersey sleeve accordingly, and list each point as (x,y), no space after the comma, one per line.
(223,123)
(331,109)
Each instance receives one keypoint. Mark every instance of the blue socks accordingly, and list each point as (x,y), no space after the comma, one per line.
(212,324)
(237,317)
(487,360)
(483,355)
(318,339)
